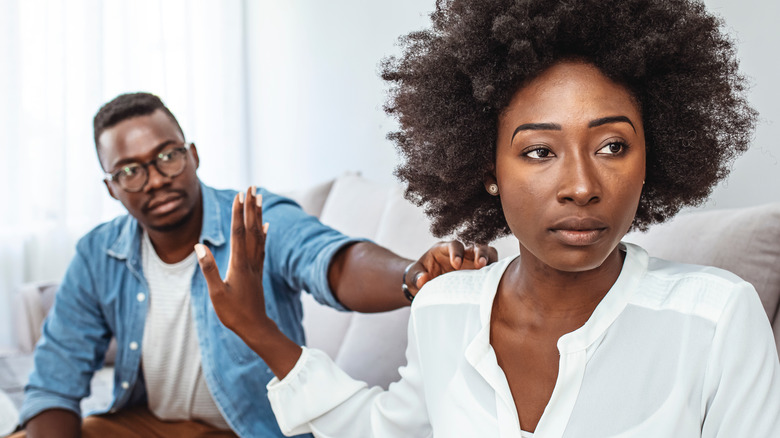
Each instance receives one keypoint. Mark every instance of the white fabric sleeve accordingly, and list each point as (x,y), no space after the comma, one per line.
(742,381)
(318,397)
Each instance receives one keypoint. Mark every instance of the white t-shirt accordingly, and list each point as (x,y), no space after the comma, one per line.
(672,350)
(175,387)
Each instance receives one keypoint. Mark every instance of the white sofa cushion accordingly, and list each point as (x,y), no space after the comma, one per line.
(312,199)
(375,344)
(354,206)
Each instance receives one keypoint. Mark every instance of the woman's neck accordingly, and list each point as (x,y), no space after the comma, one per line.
(533,288)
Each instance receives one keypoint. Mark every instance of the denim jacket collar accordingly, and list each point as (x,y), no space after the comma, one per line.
(126,244)
(212,217)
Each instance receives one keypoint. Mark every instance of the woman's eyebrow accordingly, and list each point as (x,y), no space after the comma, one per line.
(536,127)
(557,127)
(613,119)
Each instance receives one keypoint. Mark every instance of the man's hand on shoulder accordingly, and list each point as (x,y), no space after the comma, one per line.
(446,257)
(366,277)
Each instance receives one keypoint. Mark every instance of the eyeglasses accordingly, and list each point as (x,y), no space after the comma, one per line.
(132,177)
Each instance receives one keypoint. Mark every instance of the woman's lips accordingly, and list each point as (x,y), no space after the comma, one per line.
(579,237)
(576,231)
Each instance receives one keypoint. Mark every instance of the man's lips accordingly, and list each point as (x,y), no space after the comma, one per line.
(576,231)
(163,204)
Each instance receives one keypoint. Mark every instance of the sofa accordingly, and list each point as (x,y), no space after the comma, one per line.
(371,347)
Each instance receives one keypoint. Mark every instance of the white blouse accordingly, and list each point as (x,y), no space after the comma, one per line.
(672,350)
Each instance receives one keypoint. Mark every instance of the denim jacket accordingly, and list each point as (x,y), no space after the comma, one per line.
(104,294)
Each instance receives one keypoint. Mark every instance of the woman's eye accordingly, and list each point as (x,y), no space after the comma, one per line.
(539,153)
(613,148)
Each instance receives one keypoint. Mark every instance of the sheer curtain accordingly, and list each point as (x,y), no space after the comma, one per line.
(61,60)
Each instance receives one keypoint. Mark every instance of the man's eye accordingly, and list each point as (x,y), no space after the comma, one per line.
(130,170)
(613,148)
(166,156)
(539,153)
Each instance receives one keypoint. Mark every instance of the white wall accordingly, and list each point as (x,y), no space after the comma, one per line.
(317,97)
(316,93)
(755,177)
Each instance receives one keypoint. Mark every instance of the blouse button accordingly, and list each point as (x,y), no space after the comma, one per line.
(125,385)
(134,345)
(141,296)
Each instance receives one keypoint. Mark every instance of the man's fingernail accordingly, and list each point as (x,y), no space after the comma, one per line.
(254,190)
(483,260)
(240,197)
(259,201)
(200,250)
(265,228)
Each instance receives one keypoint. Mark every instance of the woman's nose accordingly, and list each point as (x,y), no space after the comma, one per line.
(580,181)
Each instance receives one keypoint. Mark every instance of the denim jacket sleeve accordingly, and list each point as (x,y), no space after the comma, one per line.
(300,247)
(73,344)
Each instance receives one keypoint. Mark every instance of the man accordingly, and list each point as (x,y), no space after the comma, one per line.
(178,370)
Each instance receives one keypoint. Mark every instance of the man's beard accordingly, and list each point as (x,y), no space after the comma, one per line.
(175,225)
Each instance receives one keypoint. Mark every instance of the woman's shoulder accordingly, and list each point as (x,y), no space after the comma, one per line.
(461,287)
(683,275)
(703,291)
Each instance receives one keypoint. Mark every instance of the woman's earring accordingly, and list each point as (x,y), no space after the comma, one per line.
(493,189)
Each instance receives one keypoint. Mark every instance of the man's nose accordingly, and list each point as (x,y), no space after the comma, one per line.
(155,179)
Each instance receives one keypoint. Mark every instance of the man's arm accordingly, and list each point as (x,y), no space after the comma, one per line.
(74,339)
(366,277)
(54,423)
(344,272)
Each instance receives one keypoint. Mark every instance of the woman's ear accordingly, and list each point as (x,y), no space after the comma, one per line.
(491,184)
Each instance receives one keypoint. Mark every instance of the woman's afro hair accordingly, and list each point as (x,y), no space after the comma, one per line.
(452,81)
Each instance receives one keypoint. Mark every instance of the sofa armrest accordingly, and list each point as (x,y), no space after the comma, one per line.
(32,303)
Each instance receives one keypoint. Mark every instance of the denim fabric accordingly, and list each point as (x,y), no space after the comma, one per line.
(104,294)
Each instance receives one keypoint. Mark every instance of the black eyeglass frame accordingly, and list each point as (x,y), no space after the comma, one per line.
(114,176)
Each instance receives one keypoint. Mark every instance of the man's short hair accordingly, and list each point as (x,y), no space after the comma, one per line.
(127,106)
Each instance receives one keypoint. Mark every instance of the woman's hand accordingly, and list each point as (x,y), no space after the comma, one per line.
(239,300)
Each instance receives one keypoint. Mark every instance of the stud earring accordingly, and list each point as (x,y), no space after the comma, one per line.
(493,189)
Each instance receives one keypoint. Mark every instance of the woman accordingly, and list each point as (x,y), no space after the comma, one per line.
(583,119)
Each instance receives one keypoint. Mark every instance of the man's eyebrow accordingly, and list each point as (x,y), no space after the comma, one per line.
(613,119)
(536,127)
(156,149)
